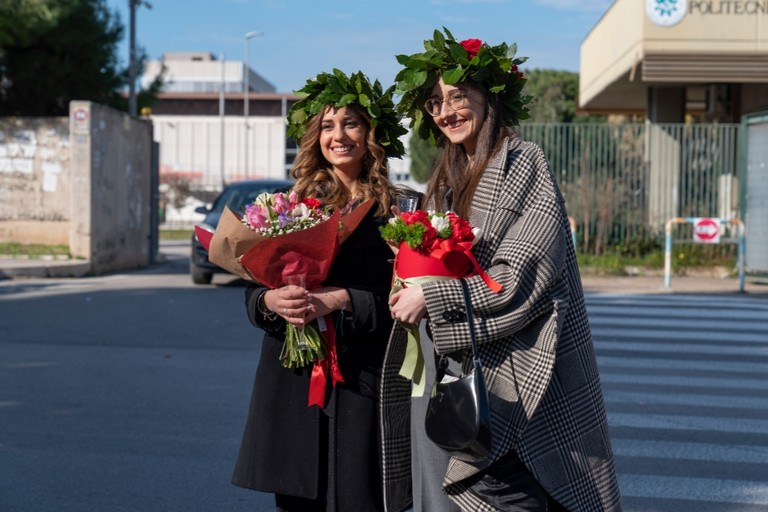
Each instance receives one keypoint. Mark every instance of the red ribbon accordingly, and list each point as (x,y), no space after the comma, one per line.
(448,246)
(328,366)
(493,285)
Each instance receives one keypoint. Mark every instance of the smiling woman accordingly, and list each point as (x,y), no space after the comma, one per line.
(347,129)
(536,336)
(342,142)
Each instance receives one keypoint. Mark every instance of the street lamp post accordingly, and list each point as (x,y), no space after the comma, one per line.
(132,5)
(247,90)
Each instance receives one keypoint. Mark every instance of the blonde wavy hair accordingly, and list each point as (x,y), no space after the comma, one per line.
(315,177)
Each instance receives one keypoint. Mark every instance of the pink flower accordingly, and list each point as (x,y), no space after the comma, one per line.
(472,46)
(282,204)
(281,213)
(258,216)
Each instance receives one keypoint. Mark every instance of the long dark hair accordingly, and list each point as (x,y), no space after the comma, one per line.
(454,172)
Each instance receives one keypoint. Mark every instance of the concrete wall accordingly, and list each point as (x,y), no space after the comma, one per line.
(111,187)
(85,182)
(35,180)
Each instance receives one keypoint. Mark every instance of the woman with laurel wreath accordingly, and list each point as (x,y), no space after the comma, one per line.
(328,458)
(551,449)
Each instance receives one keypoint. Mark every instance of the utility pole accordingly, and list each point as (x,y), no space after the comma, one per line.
(132,5)
(221,123)
(247,91)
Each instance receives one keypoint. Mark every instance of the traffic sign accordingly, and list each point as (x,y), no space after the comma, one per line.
(706,230)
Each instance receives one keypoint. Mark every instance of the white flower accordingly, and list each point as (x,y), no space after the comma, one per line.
(300,212)
(440,222)
(264,199)
(477,232)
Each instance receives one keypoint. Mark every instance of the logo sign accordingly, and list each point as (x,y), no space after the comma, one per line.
(666,13)
(706,230)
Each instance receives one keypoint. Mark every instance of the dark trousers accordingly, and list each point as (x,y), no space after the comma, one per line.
(508,485)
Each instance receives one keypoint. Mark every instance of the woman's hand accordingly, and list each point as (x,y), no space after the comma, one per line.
(290,302)
(408,305)
(326,300)
(395,212)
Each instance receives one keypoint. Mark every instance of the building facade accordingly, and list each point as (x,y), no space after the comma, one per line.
(211,131)
(668,59)
(677,62)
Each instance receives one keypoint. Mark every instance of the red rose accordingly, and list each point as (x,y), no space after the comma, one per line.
(419,216)
(311,203)
(430,239)
(461,230)
(472,46)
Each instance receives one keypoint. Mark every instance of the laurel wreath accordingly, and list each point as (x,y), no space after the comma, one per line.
(338,90)
(493,67)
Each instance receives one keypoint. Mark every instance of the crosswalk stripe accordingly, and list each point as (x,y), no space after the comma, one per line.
(690,451)
(677,312)
(666,398)
(676,347)
(610,362)
(680,422)
(681,334)
(685,381)
(705,383)
(700,489)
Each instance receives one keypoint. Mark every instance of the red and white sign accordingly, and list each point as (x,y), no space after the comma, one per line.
(706,230)
(81,115)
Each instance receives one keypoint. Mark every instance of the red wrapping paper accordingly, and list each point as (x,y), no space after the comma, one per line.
(266,260)
(450,259)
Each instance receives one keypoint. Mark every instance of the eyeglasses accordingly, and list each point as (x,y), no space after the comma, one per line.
(456,101)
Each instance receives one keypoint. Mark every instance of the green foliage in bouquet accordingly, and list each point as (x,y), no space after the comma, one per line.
(302,348)
(398,232)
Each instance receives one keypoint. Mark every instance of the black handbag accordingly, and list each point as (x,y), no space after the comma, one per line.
(458,418)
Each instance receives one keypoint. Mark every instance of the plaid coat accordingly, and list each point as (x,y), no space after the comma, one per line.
(534,340)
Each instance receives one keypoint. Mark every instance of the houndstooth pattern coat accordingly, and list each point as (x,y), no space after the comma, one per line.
(535,343)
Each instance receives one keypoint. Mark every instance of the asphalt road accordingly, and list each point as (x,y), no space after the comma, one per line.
(124,392)
(129,391)
(686,390)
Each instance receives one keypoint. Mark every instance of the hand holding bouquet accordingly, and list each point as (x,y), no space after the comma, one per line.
(280,236)
(431,246)
(273,215)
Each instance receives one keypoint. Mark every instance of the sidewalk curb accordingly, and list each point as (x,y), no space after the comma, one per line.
(10,269)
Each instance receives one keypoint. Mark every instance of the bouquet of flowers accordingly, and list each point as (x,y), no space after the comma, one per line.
(431,246)
(280,236)
(281,213)
(277,214)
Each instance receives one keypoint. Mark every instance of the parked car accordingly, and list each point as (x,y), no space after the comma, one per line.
(235,196)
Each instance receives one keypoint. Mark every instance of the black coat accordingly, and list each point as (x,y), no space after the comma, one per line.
(286,444)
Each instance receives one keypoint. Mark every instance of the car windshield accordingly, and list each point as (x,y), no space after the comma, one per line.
(237,196)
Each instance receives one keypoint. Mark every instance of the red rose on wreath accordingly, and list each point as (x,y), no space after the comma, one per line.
(472,46)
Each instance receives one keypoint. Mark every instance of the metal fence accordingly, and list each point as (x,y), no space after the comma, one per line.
(622,182)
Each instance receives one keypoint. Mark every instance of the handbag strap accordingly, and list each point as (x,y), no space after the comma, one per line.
(470,319)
